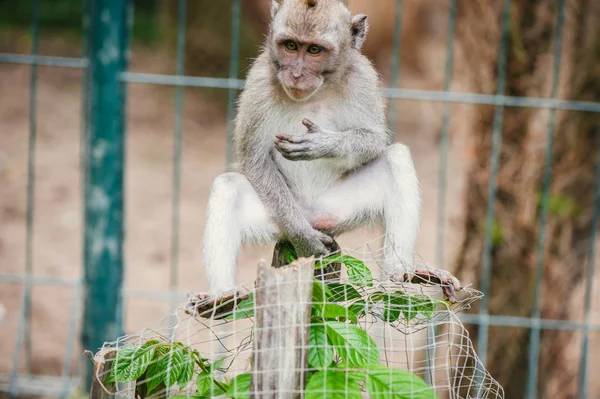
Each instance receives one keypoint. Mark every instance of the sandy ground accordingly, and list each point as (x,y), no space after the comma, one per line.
(57,239)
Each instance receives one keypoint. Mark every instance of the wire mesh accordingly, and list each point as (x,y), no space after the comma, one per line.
(216,340)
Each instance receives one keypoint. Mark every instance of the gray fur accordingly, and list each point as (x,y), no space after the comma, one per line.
(355,141)
(311,165)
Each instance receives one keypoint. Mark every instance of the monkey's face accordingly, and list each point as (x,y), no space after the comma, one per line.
(309,43)
(302,65)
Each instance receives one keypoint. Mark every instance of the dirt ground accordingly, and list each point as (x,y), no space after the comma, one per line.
(57,240)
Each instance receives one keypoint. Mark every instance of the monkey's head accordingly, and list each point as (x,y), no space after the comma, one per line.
(310,44)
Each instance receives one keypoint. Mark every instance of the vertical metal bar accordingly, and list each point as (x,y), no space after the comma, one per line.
(445,136)
(31,177)
(69,345)
(24,327)
(177,145)
(84,128)
(444,143)
(395,66)
(104,221)
(535,332)
(85,102)
(234,64)
(486,274)
(589,285)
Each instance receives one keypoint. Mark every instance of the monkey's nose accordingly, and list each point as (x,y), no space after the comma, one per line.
(297,73)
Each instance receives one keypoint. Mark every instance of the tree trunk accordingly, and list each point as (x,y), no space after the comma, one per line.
(282,324)
(521,164)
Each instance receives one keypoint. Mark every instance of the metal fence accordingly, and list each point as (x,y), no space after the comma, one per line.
(107,26)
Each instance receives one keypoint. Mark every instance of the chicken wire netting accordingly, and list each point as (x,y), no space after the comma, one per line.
(363,337)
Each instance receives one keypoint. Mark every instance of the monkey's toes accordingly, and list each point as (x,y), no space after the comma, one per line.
(208,307)
(450,284)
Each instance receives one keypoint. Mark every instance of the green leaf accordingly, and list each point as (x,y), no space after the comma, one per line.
(400,303)
(244,309)
(173,362)
(352,343)
(320,293)
(204,381)
(322,264)
(320,351)
(392,307)
(358,308)
(239,388)
(206,385)
(121,361)
(333,311)
(386,383)
(377,296)
(188,397)
(131,362)
(410,307)
(427,307)
(155,375)
(343,292)
(289,252)
(358,272)
(153,344)
(216,365)
(188,370)
(332,385)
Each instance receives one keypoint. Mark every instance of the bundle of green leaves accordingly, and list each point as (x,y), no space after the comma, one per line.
(343,360)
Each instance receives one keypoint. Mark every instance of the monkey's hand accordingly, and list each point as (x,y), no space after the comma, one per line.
(311,243)
(316,143)
(426,275)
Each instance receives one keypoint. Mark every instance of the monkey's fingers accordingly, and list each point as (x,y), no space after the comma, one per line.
(217,308)
(290,139)
(289,148)
(325,239)
(295,152)
(312,127)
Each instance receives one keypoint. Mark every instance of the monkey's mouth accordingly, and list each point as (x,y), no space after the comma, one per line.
(300,94)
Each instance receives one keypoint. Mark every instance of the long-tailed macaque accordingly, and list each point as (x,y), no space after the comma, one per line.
(312,151)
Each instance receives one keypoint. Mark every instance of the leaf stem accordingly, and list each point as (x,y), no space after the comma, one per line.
(201,364)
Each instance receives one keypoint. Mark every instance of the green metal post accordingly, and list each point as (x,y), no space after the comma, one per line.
(104,232)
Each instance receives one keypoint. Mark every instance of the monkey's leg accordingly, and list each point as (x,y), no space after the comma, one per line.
(402,214)
(235,215)
(384,192)
(401,210)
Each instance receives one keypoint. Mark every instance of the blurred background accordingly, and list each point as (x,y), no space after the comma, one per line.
(498,100)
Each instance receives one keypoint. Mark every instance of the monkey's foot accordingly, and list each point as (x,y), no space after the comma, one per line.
(208,307)
(450,284)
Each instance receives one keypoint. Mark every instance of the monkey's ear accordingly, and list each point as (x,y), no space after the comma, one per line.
(360,27)
(274,8)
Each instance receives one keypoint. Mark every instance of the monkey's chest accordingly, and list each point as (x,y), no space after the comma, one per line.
(309,179)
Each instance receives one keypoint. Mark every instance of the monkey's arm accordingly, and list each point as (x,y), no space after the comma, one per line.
(356,146)
(273,191)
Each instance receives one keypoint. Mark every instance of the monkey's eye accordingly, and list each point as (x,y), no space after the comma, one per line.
(290,45)
(314,49)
